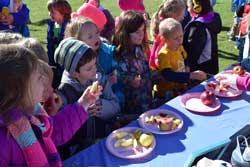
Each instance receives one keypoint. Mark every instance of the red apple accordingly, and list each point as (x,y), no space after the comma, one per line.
(207,97)
(211,86)
(238,70)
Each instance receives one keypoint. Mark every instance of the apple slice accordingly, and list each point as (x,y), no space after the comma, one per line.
(121,135)
(166,124)
(146,139)
(5,11)
(94,87)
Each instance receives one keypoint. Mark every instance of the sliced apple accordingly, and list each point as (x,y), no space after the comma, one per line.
(94,87)
(146,139)
(166,124)
(126,142)
(121,135)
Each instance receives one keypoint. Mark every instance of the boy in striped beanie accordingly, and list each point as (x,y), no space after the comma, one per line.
(80,71)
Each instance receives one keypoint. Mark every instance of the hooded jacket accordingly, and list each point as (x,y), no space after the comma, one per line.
(96,127)
(200,42)
(65,124)
(110,103)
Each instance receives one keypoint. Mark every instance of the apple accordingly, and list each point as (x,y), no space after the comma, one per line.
(157,119)
(94,87)
(126,142)
(5,11)
(176,123)
(137,134)
(238,70)
(146,139)
(211,86)
(120,135)
(166,124)
(207,97)
(223,87)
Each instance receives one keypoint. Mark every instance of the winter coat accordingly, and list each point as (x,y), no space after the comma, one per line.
(200,42)
(65,124)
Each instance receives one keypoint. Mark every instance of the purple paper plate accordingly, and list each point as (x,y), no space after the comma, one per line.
(154,128)
(128,152)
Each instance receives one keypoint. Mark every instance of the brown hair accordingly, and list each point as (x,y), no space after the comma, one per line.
(16,66)
(46,70)
(62,6)
(87,57)
(165,10)
(35,46)
(130,22)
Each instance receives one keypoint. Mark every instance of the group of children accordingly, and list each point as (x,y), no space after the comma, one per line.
(240,26)
(57,107)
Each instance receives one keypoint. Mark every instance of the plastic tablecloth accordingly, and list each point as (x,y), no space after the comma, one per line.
(199,133)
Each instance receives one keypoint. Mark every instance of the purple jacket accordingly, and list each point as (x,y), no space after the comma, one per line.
(65,124)
(243,83)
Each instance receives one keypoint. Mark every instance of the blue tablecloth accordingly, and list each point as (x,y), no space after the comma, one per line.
(176,150)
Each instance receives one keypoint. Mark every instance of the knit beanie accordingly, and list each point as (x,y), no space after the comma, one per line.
(69,52)
(136,5)
(92,12)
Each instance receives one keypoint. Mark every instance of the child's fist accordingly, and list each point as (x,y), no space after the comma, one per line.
(198,75)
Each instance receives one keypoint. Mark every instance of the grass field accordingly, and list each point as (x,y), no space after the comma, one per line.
(227,52)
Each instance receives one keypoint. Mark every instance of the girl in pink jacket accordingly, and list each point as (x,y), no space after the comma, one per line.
(28,136)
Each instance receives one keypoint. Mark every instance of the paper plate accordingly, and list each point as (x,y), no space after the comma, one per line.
(192,102)
(130,152)
(154,127)
(228,92)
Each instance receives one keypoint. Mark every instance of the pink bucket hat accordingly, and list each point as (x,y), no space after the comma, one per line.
(136,5)
(92,12)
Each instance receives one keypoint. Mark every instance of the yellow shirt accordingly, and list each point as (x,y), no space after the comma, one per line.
(173,60)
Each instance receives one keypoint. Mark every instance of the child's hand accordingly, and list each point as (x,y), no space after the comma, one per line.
(94,109)
(53,104)
(89,98)
(227,80)
(198,75)
(136,82)
(113,77)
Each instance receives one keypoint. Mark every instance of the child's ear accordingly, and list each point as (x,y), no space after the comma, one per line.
(75,74)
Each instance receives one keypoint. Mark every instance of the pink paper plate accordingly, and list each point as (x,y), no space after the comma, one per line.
(154,128)
(230,92)
(128,152)
(192,102)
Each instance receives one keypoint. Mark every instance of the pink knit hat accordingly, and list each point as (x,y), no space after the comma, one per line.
(136,5)
(92,12)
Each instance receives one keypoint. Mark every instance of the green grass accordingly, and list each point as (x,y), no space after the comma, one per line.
(227,52)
